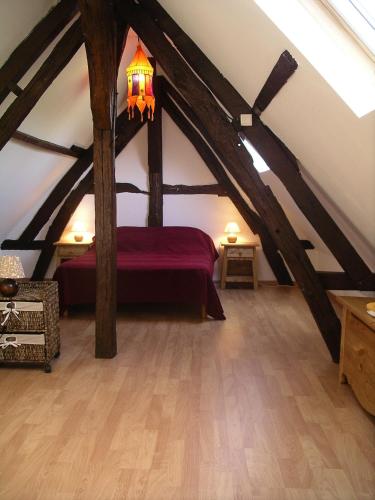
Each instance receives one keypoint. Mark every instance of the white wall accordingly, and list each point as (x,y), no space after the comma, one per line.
(336,148)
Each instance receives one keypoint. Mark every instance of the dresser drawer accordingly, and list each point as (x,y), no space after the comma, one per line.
(359,362)
(235,253)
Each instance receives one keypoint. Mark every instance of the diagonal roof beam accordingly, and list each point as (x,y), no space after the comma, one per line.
(280,74)
(277,156)
(28,51)
(52,66)
(125,132)
(251,218)
(240,165)
(74,151)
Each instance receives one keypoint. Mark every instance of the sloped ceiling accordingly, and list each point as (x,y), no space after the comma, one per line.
(336,148)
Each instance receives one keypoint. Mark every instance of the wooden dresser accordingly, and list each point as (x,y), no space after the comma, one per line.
(357,359)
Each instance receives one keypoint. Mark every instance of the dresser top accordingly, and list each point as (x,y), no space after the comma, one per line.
(357,306)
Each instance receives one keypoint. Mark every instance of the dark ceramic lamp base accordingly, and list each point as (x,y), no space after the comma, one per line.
(9,287)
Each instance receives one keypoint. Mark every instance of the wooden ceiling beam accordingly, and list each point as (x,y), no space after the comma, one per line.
(53,65)
(215,189)
(280,74)
(240,165)
(155,159)
(75,152)
(57,195)
(28,51)
(251,218)
(124,187)
(15,89)
(341,281)
(125,131)
(274,152)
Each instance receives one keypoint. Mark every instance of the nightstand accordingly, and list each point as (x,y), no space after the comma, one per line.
(30,331)
(66,250)
(239,265)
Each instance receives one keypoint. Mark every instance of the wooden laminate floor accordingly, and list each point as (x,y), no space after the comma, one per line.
(247,408)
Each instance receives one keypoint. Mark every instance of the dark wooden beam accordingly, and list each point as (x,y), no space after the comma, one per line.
(240,165)
(215,189)
(276,154)
(57,195)
(46,145)
(341,281)
(124,187)
(99,29)
(28,51)
(251,218)
(126,130)
(280,74)
(22,245)
(55,62)
(155,161)
(59,223)
(15,89)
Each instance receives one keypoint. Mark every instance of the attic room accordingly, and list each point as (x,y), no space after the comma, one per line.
(187,286)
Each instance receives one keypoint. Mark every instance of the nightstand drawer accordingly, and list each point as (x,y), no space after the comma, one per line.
(244,253)
(71,251)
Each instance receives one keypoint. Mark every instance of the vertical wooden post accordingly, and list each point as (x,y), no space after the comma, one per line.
(105,230)
(155,161)
(99,30)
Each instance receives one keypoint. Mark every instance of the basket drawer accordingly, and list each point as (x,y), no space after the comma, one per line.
(35,353)
(22,339)
(25,316)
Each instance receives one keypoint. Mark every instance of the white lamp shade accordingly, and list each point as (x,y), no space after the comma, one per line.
(78,226)
(11,267)
(232,227)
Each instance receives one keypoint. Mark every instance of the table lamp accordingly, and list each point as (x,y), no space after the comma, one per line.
(232,229)
(10,269)
(78,228)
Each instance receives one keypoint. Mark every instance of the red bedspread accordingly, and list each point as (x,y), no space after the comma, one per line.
(162,264)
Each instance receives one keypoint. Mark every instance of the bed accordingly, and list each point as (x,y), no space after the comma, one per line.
(154,265)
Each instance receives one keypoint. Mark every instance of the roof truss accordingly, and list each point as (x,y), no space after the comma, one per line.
(213,135)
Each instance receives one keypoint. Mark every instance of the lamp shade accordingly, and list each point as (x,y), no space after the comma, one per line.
(140,92)
(78,226)
(232,227)
(11,267)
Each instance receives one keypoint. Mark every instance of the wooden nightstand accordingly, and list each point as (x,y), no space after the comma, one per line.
(66,251)
(239,264)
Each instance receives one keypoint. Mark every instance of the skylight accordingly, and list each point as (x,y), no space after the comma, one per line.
(259,163)
(346,67)
(359,17)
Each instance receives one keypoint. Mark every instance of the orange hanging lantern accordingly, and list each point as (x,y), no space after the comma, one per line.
(140,93)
